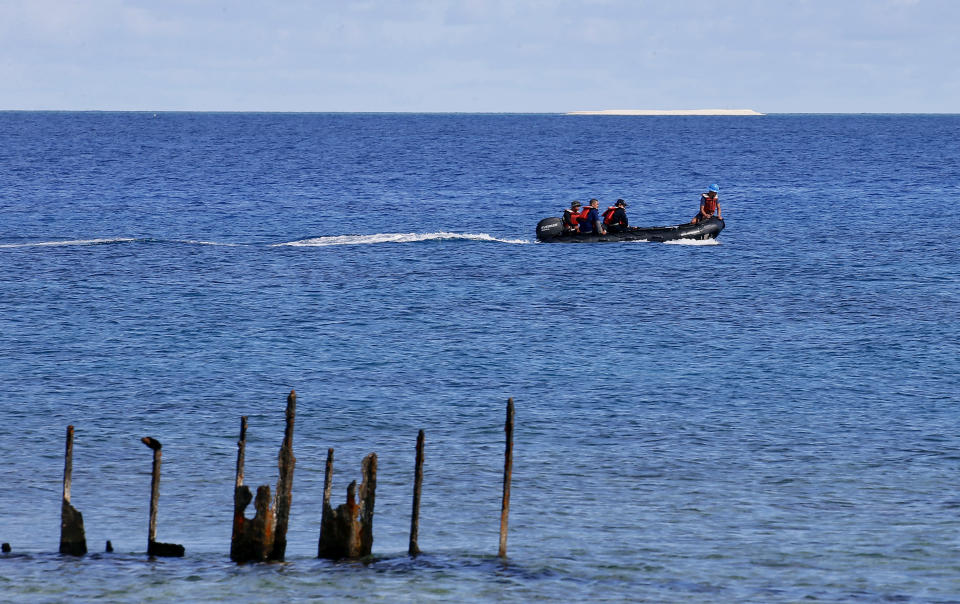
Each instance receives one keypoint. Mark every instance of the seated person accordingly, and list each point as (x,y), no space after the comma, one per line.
(709,205)
(615,218)
(590,221)
(570,217)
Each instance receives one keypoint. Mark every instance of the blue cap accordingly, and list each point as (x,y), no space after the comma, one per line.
(715,188)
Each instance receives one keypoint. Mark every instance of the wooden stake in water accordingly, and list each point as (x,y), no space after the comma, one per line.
(347,530)
(153,547)
(414,549)
(73,541)
(286,462)
(241,497)
(507,477)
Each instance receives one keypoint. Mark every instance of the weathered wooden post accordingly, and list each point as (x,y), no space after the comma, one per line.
(264,537)
(507,476)
(252,540)
(347,531)
(368,493)
(286,462)
(153,547)
(73,541)
(241,498)
(414,548)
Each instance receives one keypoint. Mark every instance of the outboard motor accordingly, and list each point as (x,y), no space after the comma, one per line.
(548,228)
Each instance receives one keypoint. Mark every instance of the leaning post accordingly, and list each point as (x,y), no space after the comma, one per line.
(507,477)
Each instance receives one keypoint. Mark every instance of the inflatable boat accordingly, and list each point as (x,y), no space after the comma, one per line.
(550,230)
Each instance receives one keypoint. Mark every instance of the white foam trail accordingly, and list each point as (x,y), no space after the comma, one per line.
(693,242)
(71,242)
(393,238)
(196,242)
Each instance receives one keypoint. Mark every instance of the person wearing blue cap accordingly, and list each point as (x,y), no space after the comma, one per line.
(709,205)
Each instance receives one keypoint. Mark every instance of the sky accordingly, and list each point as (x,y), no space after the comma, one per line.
(773,56)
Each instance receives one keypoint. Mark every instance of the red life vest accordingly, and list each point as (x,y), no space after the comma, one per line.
(571,217)
(608,215)
(709,204)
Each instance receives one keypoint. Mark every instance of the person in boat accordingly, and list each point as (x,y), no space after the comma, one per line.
(571,216)
(590,220)
(709,205)
(615,217)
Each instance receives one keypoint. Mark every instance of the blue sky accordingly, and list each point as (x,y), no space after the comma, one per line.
(485,56)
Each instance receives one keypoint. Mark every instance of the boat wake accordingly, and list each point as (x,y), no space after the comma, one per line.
(697,242)
(109,241)
(69,242)
(394,238)
(309,242)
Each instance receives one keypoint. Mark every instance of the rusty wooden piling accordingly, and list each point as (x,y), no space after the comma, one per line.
(347,530)
(73,541)
(368,493)
(286,462)
(507,477)
(327,524)
(264,537)
(414,548)
(154,548)
(241,494)
(252,539)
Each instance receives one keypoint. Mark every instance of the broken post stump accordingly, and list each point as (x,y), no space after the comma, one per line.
(414,548)
(347,531)
(73,541)
(507,477)
(155,548)
(252,539)
(286,462)
(264,537)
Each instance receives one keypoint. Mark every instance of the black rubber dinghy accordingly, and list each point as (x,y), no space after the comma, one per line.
(550,230)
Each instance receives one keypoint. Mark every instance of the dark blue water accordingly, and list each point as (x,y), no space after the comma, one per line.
(769,418)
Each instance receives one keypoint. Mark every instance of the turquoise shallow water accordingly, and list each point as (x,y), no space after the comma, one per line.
(770,418)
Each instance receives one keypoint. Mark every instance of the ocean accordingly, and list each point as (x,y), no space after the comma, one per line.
(768,417)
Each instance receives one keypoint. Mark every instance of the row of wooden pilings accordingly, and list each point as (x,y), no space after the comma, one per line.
(346,532)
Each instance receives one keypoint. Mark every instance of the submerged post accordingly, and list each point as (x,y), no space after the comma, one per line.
(414,548)
(153,547)
(507,476)
(286,462)
(73,541)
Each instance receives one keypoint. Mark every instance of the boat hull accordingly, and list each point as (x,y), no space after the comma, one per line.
(550,230)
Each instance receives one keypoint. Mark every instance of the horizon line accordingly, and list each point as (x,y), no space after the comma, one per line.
(578,113)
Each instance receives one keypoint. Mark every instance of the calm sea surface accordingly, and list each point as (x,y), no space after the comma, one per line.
(772,417)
